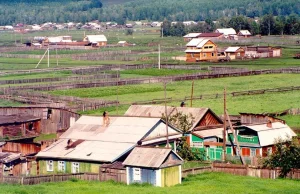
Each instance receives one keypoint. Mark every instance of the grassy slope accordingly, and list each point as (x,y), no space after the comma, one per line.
(203,183)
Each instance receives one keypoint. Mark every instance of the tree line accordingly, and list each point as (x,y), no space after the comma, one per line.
(266,25)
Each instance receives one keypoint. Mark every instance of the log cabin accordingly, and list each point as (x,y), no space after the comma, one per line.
(201,49)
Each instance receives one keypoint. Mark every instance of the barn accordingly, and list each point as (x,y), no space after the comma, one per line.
(96,40)
(235,53)
(157,166)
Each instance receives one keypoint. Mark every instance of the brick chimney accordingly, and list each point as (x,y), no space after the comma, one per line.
(269,124)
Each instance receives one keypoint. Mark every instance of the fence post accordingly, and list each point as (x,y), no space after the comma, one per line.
(22,180)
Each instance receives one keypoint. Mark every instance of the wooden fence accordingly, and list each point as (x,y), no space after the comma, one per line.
(245,170)
(32,180)
(198,170)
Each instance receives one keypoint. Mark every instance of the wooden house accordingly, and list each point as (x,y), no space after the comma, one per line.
(123,43)
(93,141)
(18,126)
(244,33)
(200,49)
(202,116)
(228,32)
(191,36)
(235,53)
(258,139)
(96,40)
(211,35)
(157,166)
(51,119)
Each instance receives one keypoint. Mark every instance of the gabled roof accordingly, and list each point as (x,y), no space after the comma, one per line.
(245,33)
(192,35)
(226,31)
(16,119)
(232,49)
(6,157)
(96,38)
(104,143)
(197,42)
(268,136)
(158,111)
(151,157)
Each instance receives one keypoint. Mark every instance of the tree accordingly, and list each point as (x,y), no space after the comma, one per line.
(267,24)
(286,157)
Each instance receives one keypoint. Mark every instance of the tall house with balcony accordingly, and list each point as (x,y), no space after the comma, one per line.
(201,49)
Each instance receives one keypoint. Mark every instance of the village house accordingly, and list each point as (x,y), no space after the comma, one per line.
(228,32)
(235,53)
(201,49)
(244,33)
(190,36)
(123,43)
(212,36)
(263,51)
(93,141)
(157,166)
(96,40)
(57,40)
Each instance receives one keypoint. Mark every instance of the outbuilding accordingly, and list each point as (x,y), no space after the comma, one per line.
(157,166)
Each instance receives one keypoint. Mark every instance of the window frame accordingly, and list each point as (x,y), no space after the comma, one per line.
(61,166)
(137,174)
(50,167)
(75,167)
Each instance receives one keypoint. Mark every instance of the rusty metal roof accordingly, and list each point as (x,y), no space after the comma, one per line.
(217,132)
(149,157)
(158,111)
(20,118)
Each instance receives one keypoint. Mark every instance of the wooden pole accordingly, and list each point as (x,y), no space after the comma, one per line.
(56,56)
(192,94)
(166,113)
(48,57)
(158,56)
(41,58)
(224,128)
(117,98)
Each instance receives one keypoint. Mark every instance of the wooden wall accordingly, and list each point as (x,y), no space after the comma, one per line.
(208,120)
(23,148)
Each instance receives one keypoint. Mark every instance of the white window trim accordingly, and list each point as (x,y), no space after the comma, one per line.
(49,164)
(61,166)
(75,165)
(137,174)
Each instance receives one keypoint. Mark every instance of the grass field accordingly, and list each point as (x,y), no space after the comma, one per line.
(216,183)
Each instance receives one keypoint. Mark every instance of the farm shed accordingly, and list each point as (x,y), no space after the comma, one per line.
(235,53)
(96,40)
(12,164)
(52,119)
(201,49)
(202,116)
(93,141)
(263,51)
(21,125)
(211,35)
(251,118)
(123,43)
(226,31)
(157,166)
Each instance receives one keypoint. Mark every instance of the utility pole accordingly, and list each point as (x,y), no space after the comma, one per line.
(48,57)
(192,94)
(56,55)
(224,128)
(158,56)
(117,98)
(166,113)
(162,32)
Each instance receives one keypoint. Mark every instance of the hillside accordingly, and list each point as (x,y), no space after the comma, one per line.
(35,11)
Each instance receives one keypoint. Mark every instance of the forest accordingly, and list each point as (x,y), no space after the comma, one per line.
(40,11)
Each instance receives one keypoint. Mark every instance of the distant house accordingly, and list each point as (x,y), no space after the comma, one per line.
(262,51)
(96,40)
(200,49)
(123,43)
(189,23)
(228,32)
(235,53)
(191,36)
(157,166)
(244,33)
(212,35)
(57,40)
(93,141)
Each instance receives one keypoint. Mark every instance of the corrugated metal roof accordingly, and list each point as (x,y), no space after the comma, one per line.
(226,31)
(158,111)
(245,32)
(6,157)
(96,38)
(218,132)
(192,35)
(232,49)
(198,42)
(20,118)
(148,157)
(212,34)
(103,143)
(268,136)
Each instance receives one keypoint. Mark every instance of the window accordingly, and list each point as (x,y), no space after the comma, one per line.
(210,47)
(192,55)
(206,47)
(238,54)
(197,144)
(252,152)
(204,54)
(61,166)
(75,167)
(136,174)
(212,54)
(49,165)
(269,151)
